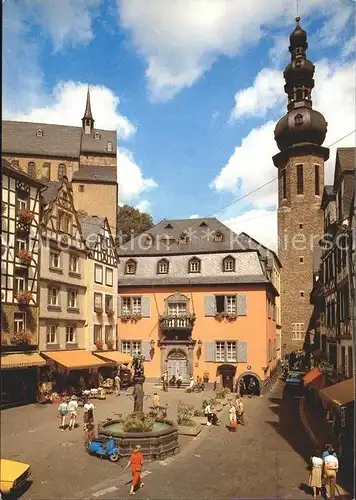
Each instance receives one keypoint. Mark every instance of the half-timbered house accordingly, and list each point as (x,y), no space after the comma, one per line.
(20,215)
(101,283)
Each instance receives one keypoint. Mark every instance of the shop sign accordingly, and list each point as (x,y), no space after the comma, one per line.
(326,367)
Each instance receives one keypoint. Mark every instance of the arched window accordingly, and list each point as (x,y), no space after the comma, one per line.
(218,236)
(162,266)
(194,265)
(39,132)
(130,267)
(31,169)
(229,264)
(62,171)
(183,239)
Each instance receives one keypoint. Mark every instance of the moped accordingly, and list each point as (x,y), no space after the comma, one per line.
(104,448)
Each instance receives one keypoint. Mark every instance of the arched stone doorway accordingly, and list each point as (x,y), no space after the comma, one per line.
(177,362)
(227,376)
(249,383)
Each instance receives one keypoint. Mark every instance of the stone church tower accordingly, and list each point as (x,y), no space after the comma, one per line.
(299,136)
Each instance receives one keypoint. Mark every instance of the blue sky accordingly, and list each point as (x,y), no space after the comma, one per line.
(194,88)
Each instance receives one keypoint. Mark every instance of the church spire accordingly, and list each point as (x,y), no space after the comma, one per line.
(88,120)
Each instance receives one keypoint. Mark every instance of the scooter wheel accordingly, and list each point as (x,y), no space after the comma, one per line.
(114,457)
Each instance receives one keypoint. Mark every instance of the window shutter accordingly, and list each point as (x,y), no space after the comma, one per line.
(210,305)
(145,307)
(120,345)
(241,306)
(119,301)
(146,349)
(209,351)
(241,351)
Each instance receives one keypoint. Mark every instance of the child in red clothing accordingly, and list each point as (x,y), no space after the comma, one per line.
(90,433)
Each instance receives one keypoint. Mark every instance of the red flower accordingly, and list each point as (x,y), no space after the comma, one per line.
(25,256)
(24,297)
(26,216)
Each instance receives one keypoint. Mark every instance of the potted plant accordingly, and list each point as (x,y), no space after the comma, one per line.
(231,317)
(26,216)
(110,344)
(125,318)
(187,425)
(206,377)
(24,297)
(136,317)
(23,339)
(25,257)
(99,344)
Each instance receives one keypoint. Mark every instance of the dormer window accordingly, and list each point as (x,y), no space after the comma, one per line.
(109,146)
(147,240)
(96,135)
(183,239)
(39,132)
(130,267)
(31,169)
(62,171)
(194,265)
(229,264)
(162,266)
(218,236)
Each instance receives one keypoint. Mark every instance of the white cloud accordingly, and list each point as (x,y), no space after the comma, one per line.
(144,206)
(66,106)
(194,216)
(251,164)
(132,184)
(181,39)
(259,224)
(265,93)
(349,47)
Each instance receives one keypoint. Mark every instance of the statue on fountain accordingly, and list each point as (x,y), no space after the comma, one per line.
(138,380)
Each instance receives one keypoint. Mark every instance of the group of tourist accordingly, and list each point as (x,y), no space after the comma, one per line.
(69,408)
(324,468)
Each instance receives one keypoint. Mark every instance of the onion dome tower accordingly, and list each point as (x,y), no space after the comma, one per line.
(299,135)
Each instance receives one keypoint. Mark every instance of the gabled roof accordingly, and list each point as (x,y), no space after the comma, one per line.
(57,140)
(200,238)
(91,225)
(327,196)
(346,158)
(95,173)
(8,168)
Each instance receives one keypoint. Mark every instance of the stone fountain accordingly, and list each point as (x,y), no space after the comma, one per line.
(156,438)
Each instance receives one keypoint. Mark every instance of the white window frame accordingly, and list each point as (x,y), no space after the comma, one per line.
(51,334)
(136,305)
(21,204)
(135,346)
(109,273)
(126,306)
(229,264)
(98,274)
(297,331)
(162,267)
(18,321)
(71,334)
(130,267)
(98,329)
(230,304)
(194,266)
(74,259)
(177,309)
(98,300)
(20,284)
(54,259)
(126,346)
(231,352)
(220,351)
(73,298)
(21,244)
(54,296)
(109,333)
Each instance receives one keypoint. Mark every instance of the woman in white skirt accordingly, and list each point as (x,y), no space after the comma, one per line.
(315,477)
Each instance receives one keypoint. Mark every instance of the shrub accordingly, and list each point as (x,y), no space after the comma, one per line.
(23,338)
(222,393)
(24,256)
(185,414)
(24,297)
(199,412)
(138,423)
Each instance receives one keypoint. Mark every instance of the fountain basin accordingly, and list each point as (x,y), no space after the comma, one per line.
(160,442)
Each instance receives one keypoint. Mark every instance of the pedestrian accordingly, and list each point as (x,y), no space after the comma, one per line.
(328,448)
(331,467)
(315,477)
(179,380)
(155,400)
(232,417)
(117,384)
(240,410)
(209,414)
(90,433)
(136,463)
(73,411)
(88,413)
(63,412)
(165,381)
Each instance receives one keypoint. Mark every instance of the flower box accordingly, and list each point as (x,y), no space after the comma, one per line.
(110,343)
(110,312)
(24,297)
(26,216)
(98,310)
(99,345)
(25,257)
(23,338)
(190,430)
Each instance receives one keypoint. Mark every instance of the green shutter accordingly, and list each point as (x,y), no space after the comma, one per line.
(210,305)
(242,351)
(241,306)
(209,348)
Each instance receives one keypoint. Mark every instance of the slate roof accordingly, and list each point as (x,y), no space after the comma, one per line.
(198,280)
(7,167)
(50,193)
(58,140)
(265,252)
(200,234)
(90,225)
(95,173)
(346,158)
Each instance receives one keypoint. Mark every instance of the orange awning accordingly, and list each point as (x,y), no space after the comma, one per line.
(341,393)
(75,360)
(314,378)
(21,360)
(115,356)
